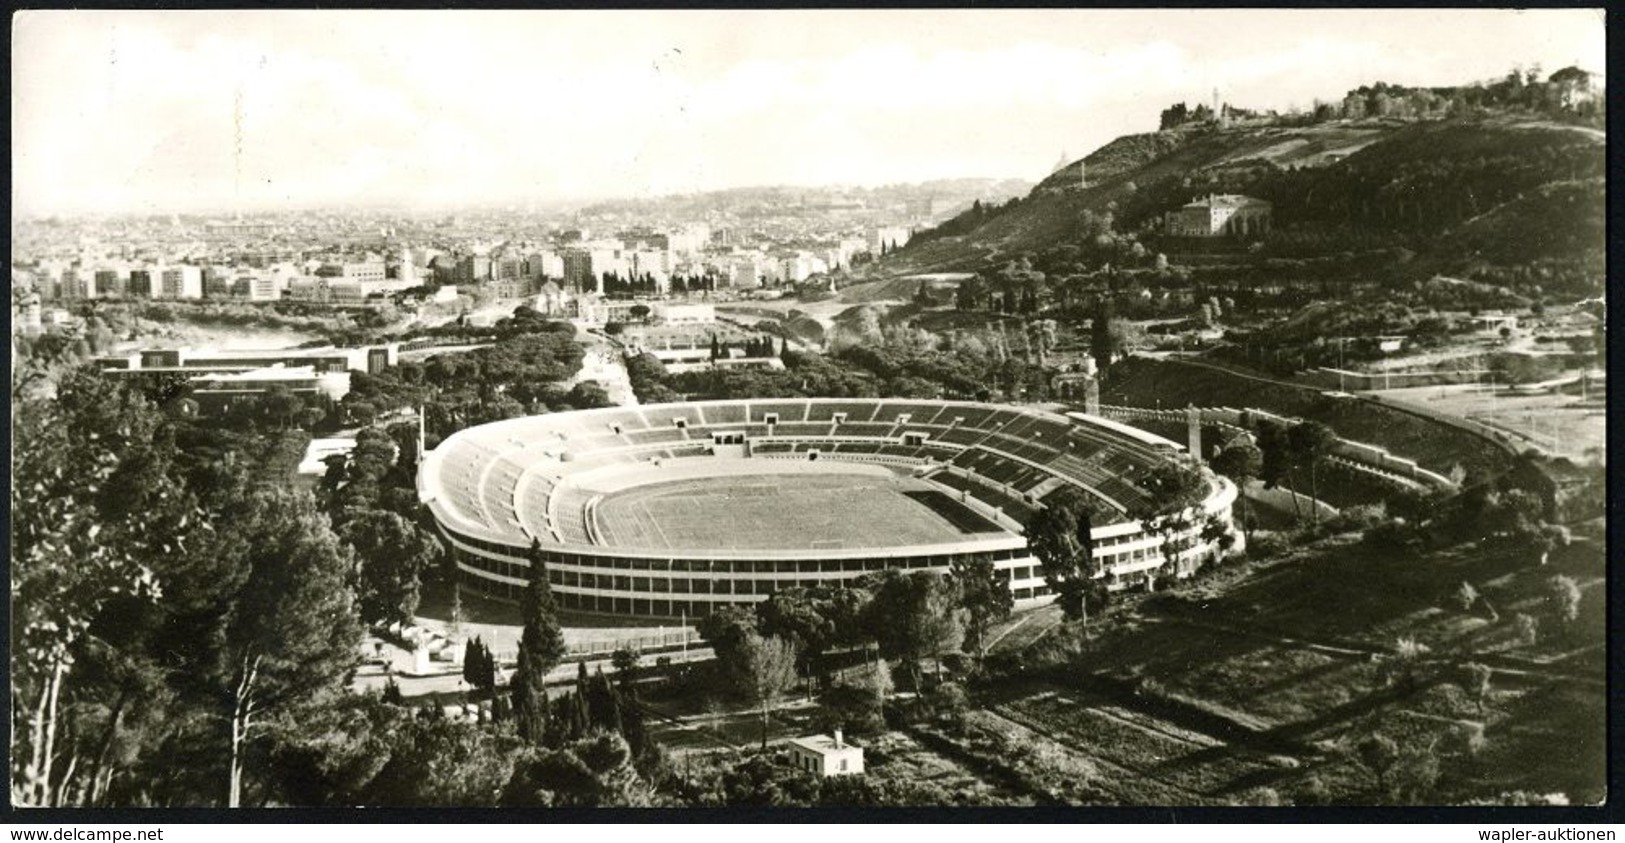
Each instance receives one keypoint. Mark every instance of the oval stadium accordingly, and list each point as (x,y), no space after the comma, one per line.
(671,510)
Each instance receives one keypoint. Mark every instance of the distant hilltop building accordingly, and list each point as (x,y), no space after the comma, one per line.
(1219,215)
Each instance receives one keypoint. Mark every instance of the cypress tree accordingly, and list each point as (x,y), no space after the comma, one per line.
(541,646)
(603,704)
(473,664)
(392,692)
(632,723)
(580,718)
(1100,337)
(484,670)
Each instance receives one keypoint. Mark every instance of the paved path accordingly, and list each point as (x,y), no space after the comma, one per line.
(603,364)
(452,682)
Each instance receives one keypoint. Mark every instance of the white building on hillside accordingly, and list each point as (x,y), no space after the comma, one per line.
(1221,214)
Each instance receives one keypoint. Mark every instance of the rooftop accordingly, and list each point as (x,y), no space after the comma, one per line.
(824,745)
(1233,200)
(278,372)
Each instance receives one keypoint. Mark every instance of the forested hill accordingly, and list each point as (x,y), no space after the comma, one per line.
(1500,198)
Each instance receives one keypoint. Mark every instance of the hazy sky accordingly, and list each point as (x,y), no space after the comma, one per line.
(178,110)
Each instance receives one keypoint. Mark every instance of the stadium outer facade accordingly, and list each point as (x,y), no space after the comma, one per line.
(503,491)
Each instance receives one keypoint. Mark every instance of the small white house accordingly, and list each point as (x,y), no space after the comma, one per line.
(826,756)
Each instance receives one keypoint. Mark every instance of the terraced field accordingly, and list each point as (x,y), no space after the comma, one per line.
(1262,689)
(1152,760)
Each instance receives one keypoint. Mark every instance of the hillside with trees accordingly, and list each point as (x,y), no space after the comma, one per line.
(1498,182)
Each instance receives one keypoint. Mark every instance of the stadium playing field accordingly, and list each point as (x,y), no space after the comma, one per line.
(786,512)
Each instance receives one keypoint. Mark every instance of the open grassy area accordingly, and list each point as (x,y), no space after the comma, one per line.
(767,511)
(1567,425)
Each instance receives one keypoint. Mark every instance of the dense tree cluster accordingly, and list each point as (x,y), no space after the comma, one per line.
(524,370)
(900,363)
(184,635)
(962,223)
(763,346)
(614,286)
(168,613)
(911,618)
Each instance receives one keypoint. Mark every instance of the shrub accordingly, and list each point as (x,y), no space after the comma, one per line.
(1351,519)
(1466,596)
(1557,534)
(1403,666)
(853,708)
(1415,774)
(1475,680)
(950,700)
(1378,753)
(1267,544)
(1264,797)
(1564,596)
(1391,535)
(1313,791)
(959,664)
(1472,738)
(1528,629)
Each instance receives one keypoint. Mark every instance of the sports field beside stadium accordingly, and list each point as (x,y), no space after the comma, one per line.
(771,511)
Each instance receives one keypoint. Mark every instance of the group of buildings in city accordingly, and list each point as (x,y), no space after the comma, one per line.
(584,263)
(576,260)
(353,281)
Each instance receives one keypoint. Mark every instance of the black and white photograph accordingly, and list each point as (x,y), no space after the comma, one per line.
(808,412)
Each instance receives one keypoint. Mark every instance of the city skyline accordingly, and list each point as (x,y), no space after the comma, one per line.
(278,110)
